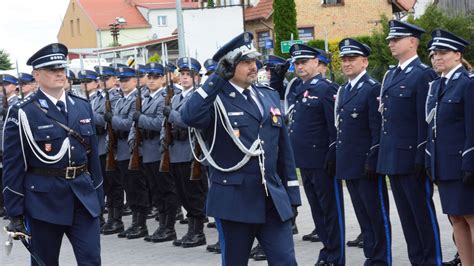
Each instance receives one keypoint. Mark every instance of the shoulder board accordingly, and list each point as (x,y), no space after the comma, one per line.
(372,81)
(391,66)
(469,74)
(77,96)
(422,65)
(263,86)
(24,102)
(328,80)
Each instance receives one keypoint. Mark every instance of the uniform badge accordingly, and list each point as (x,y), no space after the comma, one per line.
(456,76)
(306,93)
(275,114)
(347,42)
(85,121)
(43,103)
(304,100)
(232,94)
(408,70)
(354,115)
(360,85)
(314,81)
(438,33)
(55,48)
(48,147)
(236,132)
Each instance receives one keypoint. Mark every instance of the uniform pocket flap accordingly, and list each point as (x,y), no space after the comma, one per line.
(86,130)
(451,99)
(238,121)
(406,144)
(37,183)
(46,134)
(405,93)
(228,180)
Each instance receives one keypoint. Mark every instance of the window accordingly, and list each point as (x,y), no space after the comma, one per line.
(78,27)
(71,22)
(306,34)
(161,21)
(332,2)
(264,41)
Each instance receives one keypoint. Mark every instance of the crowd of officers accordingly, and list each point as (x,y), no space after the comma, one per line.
(416,127)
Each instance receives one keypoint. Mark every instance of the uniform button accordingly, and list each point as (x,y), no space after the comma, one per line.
(225,181)
(211,84)
(235,123)
(342,109)
(449,101)
(385,132)
(314,146)
(47,137)
(386,96)
(385,120)
(297,101)
(460,152)
(385,109)
(432,140)
(32,187)
(410,147)
(340,141)
(292,121)
(340,131)
(72,147)
(291,130)
(340,120)
(73,163)
(263,142)
(261,126)
(400,94)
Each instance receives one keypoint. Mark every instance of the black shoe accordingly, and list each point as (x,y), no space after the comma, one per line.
(455,262)
(355,242)
(308,236)
(131,228)
(197,237)
(254,250)
(315,238)
(188,235)
(212,248)
(165,235)
(153,213)
(211,225)
(114,228)
(140,230)
(260,254)
(295,229)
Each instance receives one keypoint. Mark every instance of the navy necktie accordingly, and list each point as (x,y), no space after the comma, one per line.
(347,90)
(396,72)
(252,102)
(442,85)
(62,108)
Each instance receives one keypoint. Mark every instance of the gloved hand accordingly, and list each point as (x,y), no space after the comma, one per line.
(136,116)
(108,116)
(468,179)
(17,227)
(330,168)
(420,172)
(226,68)
(280,69)
(166,111)
(370,172)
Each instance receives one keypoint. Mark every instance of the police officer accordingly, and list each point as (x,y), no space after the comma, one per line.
(142,71)
(134,182)
(450,146)
(8,85)
(402,143)
(112,185)
(71,78)
(53,182)
(89,83)
(358,132)
(191,193)
(249,195)
(162,185)
(28,84)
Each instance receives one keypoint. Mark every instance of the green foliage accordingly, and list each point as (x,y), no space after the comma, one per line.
(5,63)
(381,58)
(284,19)
(210,3)
(155,58)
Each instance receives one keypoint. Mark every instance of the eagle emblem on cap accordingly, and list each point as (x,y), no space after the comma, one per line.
(55,48)
(246,37)
(347,42)
(438,33)
(152,64)
(120,69)
(392,23)
(297,47)
(185,60)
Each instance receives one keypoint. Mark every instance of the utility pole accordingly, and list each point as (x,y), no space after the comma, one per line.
(179,17)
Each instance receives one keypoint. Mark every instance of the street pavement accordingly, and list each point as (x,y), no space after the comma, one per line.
(138,252)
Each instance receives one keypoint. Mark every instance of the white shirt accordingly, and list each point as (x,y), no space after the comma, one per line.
(128,95)
(152,94)
(252,93)
(55,101)
(406,63)
(184,93)
(451,72)
(354,81)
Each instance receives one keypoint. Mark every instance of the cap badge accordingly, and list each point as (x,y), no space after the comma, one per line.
(347,42)
(438,33)
(55,48)
(246,37)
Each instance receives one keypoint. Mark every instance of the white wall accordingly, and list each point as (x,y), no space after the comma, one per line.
(206,30)
(126,36)
(420,7)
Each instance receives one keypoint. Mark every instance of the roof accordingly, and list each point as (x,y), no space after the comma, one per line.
(263,10)
(103,12)
(405,5)
(165,4)
(138,44)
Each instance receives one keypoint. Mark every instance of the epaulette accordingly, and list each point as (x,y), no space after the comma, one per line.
(25,101)
(469,74)
(372,81)
(328,80)
(77,96)
(264,86)
(423,66)
(392,66)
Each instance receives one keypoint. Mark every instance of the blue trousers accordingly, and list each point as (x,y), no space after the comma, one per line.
(414,200)
(84,235)
(275,237)
(325,199)
(371,206)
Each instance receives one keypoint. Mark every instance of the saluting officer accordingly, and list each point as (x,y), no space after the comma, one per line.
(8,85)
(449,151)
(28,84)
(254,189)
(134,182)
(53,182)
(191,193)
(402,143)
(162,185)
(112,183)
(358,133)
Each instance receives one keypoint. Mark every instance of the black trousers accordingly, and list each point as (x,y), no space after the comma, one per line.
(2,204)
(162,188)
(192,194)
(113,187)
(134,183)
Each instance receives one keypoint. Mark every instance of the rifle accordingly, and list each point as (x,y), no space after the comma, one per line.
(5,99)
(328,54)
(83,73)
(20,87)
(134,163)
(165,156)
(110,162)
(196,172)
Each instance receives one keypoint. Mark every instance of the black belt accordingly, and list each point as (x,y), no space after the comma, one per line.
(68,173)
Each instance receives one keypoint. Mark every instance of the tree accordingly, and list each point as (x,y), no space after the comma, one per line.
(5,63)
(210,3)
(155,58)
(284,19)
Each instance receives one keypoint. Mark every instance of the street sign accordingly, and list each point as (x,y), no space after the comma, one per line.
(269,44)
(285,45)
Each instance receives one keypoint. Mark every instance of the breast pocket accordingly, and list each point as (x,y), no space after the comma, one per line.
(49,140)
(238,121)
(86,130)
(401,93)
(311,102)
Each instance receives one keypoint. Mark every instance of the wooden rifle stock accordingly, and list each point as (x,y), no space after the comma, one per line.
(196,172)
(110,163)
(165,156)
(5,100)
(134,163)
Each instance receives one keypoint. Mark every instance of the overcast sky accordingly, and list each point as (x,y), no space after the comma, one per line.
(28,25)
